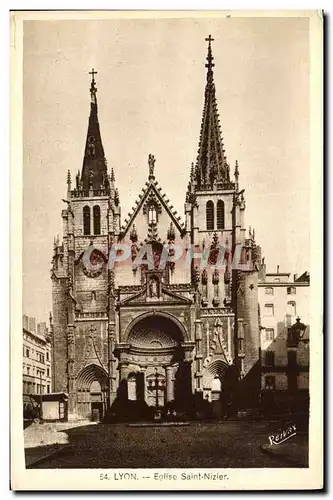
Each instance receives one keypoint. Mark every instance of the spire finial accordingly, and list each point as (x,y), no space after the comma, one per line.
(209,57)
(236,169)
(112,175)
(69,180)
(93,88)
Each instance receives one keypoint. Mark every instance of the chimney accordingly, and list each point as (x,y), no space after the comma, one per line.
(277,269)
(32,325)
(41,328)
(25,322)
(295,277)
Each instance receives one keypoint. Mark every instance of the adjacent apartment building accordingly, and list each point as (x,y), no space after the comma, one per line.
(37,362)
(284,318)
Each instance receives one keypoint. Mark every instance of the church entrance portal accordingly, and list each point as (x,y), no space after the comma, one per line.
(155,363)
(92,384)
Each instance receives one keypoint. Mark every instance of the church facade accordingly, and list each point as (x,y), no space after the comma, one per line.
(129,332)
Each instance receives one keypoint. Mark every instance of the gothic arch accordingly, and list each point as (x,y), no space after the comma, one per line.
(86,220)
(97,219)
(220,216)
(217,368)
(210,216)
(90,374)
(166,315)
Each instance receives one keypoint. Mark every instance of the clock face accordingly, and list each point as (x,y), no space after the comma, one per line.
(93,265)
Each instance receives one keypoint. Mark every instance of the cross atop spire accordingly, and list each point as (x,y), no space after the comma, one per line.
(209,57)
(93,88)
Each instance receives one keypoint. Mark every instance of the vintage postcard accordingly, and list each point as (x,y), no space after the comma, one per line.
(166,194)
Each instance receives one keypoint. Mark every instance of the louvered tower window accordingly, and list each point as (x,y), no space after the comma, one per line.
(86,220)
(220,214)
(97,219)
(210,215)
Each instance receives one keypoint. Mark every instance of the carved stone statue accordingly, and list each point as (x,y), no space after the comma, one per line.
(151,163)
(153,288)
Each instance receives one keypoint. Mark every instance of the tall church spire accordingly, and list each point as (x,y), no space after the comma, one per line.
(211,165)
(94,170)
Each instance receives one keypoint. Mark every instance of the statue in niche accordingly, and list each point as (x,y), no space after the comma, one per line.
(153,287)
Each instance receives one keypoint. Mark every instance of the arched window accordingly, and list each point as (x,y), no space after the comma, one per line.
(216,384)
(95,387)
(220,214)
(210,215)
(152,215)
(86,220)
(97,219)
(131,387)
(291,308)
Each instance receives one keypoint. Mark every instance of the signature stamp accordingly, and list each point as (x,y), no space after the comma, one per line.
(282,436)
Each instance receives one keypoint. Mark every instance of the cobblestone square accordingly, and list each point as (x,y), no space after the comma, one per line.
(198,445)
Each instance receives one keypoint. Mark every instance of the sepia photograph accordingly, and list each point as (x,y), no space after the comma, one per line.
(171,276)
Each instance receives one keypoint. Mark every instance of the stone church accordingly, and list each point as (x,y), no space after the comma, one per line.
(127,337)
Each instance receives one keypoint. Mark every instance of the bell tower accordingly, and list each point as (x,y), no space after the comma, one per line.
(227,279)
(83,312)
(209,198)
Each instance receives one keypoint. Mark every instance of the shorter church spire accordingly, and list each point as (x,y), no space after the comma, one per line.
(94,170)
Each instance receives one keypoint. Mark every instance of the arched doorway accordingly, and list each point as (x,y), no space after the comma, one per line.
(216,386)
(92,384)
(151,359)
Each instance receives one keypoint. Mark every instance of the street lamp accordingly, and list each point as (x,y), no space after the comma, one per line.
(299,328)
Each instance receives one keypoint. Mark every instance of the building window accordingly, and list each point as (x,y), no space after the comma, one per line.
(291,290)
(48,389)
(152,215)
(269,358)
(269,310)
(210,215)
(291,308)
(93,296)
(97,219)
(269,290)
(48,372)
(270,383)
(27,353)
(220,215)
(86,220)
(47,356)
(28,370)
(269,334)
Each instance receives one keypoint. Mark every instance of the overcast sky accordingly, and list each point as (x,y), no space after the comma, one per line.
(150,80)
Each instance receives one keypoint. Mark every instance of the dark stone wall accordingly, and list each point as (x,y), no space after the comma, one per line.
(59,298)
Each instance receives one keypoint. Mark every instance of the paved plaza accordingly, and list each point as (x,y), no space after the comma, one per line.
(218,445)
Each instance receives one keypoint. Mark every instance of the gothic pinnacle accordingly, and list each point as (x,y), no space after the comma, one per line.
(236,169)
(192,172)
